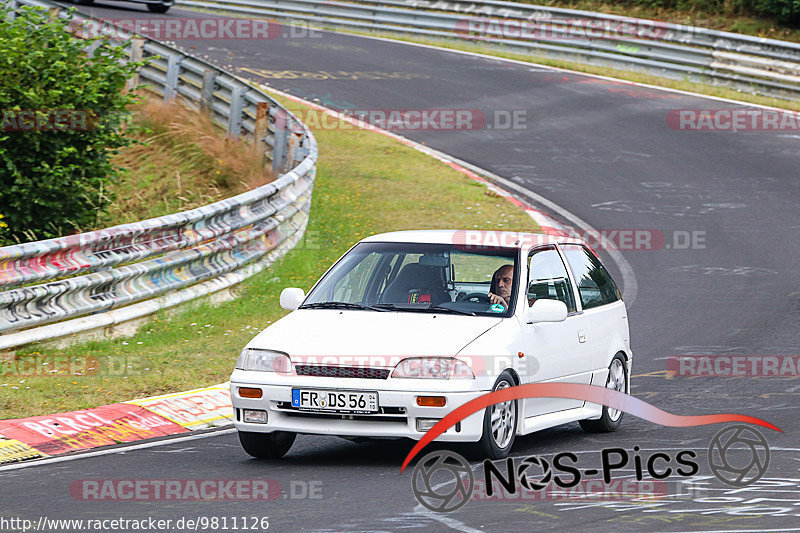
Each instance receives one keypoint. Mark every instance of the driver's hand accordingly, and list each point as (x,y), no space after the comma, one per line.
(495,299)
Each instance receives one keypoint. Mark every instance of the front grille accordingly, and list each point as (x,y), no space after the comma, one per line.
(342,371)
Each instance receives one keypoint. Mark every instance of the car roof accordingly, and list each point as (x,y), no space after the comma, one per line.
(501,239)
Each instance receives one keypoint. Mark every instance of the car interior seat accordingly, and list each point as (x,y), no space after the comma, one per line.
(537,291)
(417,283)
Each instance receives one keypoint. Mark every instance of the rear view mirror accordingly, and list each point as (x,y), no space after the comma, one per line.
(291,298)
(545,310)
(434,260)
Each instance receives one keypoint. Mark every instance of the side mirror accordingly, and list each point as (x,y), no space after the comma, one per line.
(547,311)
(292,297)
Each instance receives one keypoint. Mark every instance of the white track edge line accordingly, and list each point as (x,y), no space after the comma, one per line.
(561,69)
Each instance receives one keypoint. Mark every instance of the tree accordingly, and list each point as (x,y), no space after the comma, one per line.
(63,114)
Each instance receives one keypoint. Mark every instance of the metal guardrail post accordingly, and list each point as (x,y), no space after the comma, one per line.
(235,114)
(137,49)
(294,141)
(261,127)
(92,47)
(173,70)
(207,92)
(280,148)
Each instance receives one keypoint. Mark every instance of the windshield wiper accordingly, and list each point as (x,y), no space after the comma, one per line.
(339,305)
(450,310)
(429,309)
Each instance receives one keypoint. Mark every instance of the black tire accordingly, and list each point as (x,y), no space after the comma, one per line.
(611,419)
(267,445)
(156,8)
(488,446)
(84,2)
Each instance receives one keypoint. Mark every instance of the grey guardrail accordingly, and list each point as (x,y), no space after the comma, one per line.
(757,65)
(170,259)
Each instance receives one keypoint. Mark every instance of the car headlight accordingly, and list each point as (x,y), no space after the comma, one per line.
(264,361)
(433,368)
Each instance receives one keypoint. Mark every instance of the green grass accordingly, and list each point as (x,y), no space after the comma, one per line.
(181,161)
(366,183)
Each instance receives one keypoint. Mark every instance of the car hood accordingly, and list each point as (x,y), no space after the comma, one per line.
(332,332)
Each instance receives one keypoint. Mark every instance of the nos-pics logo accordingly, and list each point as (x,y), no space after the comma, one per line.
(444,481)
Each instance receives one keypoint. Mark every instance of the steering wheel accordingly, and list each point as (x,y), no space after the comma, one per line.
(479,296)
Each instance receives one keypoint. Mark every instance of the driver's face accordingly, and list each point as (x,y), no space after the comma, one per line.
(504,282)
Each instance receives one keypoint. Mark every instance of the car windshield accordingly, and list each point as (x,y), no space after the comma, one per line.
(415,277)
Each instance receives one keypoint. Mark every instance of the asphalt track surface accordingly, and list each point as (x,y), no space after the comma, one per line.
(603,151)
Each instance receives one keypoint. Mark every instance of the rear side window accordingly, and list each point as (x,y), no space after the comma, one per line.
(595,285)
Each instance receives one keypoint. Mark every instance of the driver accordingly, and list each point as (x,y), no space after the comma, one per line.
(500,289)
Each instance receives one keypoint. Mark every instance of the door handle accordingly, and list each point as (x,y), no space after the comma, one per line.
(581,336)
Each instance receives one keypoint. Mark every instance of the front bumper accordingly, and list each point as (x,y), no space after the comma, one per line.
(397,416)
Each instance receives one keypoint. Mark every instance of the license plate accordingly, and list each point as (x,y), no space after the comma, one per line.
(335,401)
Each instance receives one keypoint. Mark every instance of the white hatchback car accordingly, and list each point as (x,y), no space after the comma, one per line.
(407,326)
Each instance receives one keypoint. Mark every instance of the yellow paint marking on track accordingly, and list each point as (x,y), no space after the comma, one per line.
(646,395)
(332,75)
(666,374)
(531,510)
(13,450)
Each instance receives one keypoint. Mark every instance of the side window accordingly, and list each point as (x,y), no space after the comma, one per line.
(594,282)
(351,287)
(547,278)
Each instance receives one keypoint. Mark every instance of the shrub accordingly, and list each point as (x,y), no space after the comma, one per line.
(63,115)
(784,11)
